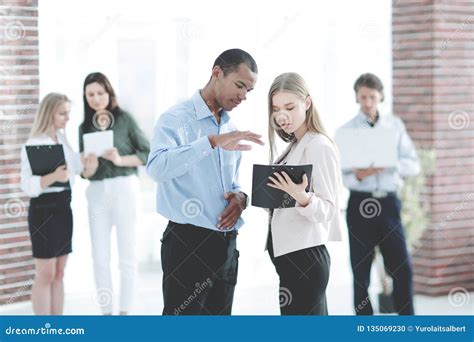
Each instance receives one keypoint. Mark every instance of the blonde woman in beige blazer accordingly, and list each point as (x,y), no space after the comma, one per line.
(297,236)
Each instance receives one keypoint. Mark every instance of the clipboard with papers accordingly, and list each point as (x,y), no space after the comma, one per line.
(264,196)
(45,159)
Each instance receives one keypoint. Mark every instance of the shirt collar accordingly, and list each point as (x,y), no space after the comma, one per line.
(364,118)
(203,111)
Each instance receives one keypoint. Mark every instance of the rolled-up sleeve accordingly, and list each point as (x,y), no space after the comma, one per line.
(169,159)
(349,179)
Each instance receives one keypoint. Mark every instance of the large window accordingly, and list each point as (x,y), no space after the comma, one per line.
(157,54)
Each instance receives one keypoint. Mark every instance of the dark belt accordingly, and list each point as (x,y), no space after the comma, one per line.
(226,233)
(374,194)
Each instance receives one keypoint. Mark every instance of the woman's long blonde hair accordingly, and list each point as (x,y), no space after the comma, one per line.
(44,117)
(292,83)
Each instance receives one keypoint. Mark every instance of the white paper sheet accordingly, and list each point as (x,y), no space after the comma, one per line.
(98,142)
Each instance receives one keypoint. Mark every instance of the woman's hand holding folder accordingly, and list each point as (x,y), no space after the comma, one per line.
(297,191)
(61,174)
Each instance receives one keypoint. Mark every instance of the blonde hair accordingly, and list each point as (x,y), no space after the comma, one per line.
(44,117)
(292,83)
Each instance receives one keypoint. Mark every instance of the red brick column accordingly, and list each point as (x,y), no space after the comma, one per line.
(433,92)
(19,91)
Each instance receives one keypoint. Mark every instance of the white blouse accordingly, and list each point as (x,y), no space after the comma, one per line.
(320,221)
(30,184)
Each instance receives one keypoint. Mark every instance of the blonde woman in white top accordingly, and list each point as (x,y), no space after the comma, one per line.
(297,236)
(49,214)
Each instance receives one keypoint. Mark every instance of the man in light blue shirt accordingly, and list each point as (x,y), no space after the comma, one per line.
(195,157)
(373,210)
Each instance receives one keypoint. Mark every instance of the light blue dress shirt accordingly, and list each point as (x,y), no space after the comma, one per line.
(192,177)
(389,179)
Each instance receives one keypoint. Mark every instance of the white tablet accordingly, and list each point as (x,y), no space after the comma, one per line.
(98,142)
(362,147)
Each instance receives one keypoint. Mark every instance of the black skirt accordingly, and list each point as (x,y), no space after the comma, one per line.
(50,224)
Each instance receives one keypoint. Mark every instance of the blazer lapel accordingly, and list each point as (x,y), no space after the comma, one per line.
(278,160)
(297,154)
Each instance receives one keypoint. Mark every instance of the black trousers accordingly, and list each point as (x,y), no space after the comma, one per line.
(304,276)
(199,270)
(376,222)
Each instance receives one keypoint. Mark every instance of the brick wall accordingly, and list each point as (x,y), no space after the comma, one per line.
(433,92)
(19,91)
(433,87)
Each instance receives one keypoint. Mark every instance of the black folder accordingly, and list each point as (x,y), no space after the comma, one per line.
(264,196)
(45,159)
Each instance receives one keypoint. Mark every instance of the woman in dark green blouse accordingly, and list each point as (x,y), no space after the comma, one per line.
(113,189)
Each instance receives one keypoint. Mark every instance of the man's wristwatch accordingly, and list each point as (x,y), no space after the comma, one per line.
(247,199)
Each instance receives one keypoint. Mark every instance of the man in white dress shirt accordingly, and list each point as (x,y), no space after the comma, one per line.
(373,211)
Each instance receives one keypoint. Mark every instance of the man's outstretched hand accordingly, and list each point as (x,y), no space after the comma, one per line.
(231,141)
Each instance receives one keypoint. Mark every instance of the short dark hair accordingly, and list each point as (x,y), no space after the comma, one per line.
(230,60)
(370,81)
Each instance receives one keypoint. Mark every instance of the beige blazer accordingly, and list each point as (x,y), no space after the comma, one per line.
(297,228)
